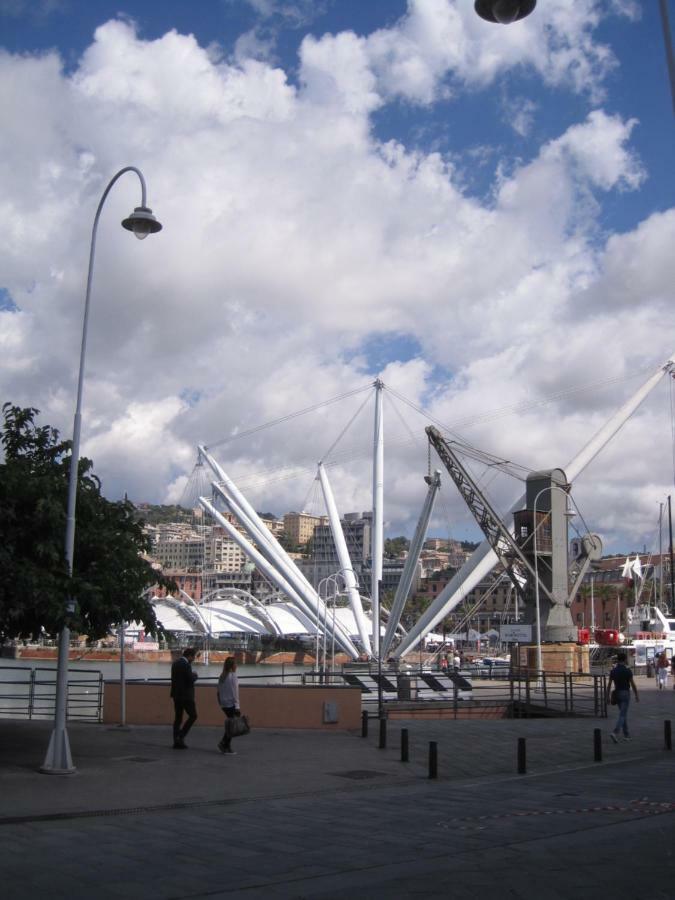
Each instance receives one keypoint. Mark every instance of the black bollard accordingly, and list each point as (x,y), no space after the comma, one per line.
(597,745)
(433,759)
(383,733)
(364,723)
(522,757)
(404,745)
(667,736)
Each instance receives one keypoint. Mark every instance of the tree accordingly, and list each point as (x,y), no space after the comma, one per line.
(393,547)
(109,572)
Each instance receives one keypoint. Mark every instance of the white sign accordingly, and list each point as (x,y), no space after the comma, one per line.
(518,634)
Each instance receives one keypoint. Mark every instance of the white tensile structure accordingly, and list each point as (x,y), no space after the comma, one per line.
(304,611)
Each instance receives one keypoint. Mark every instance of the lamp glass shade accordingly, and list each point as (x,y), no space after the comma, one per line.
(504,11)
(142,222)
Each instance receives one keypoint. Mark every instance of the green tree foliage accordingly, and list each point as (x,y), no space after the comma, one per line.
(109,572)
(393,547)
(151,514)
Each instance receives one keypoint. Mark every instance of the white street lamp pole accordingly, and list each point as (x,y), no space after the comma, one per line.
(142,222)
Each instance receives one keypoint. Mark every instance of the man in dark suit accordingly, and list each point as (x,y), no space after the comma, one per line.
(183,694)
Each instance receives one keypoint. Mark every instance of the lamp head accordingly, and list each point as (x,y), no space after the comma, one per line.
(142,222)
(504,11)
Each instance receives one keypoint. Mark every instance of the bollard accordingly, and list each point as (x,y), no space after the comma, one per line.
(433,759)
(522,757)
(597,745)
(364,723)
(404,745)
(667,735)
(383,733)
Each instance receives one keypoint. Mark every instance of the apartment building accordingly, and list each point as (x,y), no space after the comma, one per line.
(299,527)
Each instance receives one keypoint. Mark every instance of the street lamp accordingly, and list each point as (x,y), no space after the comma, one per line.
(504,11)
(141,222)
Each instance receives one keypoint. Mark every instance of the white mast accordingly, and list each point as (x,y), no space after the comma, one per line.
(271,549)
(346,569)
(377,539)
(275,575)
(483,560)
(404,584)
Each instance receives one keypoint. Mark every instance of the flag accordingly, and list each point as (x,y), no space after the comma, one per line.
(626,572)
(637,567)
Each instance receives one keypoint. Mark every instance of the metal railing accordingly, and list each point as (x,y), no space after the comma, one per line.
(561,693)
(27,693)
(517,692)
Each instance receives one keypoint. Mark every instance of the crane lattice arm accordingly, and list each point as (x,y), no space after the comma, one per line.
(500,539)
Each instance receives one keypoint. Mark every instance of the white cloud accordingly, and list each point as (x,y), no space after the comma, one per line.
(292,237)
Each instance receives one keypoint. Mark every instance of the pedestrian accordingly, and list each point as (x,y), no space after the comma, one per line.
(662,667)
(444,663)
(228,698)
(622,679)
(672,669)
(456,662)
(183,695)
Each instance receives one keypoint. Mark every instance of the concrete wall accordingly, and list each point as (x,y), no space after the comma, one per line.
(268,706)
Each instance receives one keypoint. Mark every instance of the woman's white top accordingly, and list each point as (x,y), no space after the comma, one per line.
(228,691)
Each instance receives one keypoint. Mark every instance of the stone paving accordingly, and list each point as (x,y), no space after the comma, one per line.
(307,814)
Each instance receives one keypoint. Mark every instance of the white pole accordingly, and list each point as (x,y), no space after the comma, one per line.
(286,567)
(311,610)
(344,559)
(408,574)
(377,543)
(58,760)
(123,683)
(661,555)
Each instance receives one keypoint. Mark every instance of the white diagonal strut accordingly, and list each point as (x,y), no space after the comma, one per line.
(377,540)
(346,569)
(412,559)
(274,575)
(270,547)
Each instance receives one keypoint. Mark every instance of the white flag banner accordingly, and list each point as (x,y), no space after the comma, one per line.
(637,567)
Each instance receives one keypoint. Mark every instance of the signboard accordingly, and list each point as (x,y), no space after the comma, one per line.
(518,634)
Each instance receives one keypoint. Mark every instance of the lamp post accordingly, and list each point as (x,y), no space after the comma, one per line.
(328,579)
(141,222)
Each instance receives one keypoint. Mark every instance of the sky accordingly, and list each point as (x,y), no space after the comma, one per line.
(481,216)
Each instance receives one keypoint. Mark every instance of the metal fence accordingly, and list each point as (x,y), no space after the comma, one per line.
(27,693)
(558,693)
(477,691)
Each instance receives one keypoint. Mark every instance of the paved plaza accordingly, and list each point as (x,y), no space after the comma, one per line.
(303,814)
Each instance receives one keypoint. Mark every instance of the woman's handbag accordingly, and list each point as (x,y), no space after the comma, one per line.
(612,698)
(238,726)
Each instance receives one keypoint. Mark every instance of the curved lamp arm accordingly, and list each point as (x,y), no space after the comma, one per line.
(142,223)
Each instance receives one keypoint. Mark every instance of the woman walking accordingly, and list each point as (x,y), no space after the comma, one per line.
(228,698)
(622,679)
(662,667)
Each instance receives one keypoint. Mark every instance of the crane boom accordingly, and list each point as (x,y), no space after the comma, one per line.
(498,536)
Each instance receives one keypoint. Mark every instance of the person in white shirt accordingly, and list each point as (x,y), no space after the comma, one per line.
(228,698)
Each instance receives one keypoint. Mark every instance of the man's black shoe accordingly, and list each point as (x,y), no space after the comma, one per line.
(180,745)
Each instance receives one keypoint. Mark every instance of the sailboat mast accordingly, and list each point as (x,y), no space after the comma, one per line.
(377,543)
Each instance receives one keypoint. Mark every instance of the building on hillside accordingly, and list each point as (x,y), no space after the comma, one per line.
(323,559)
(276,526)
(190,582)
(299,527)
